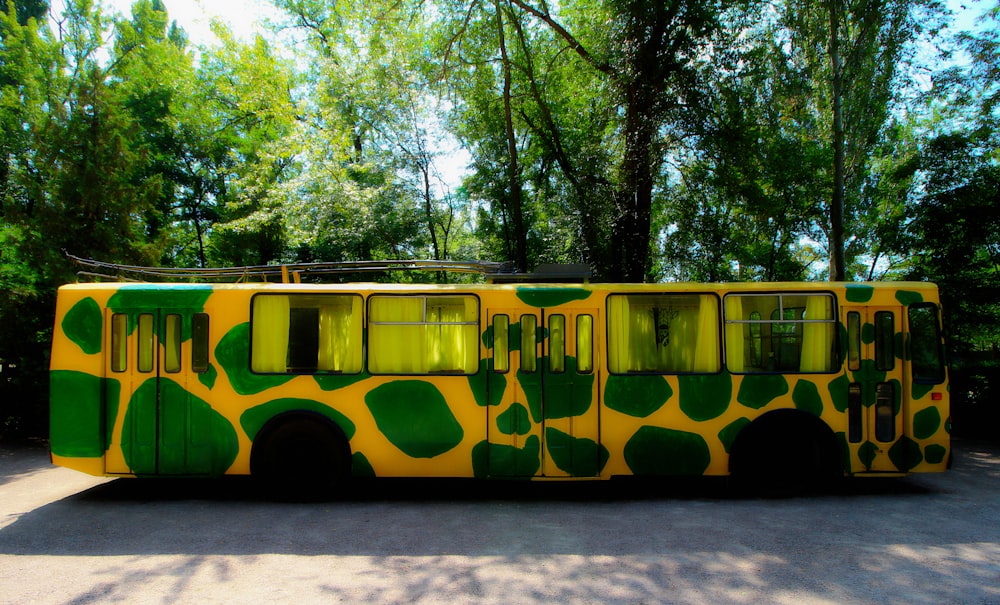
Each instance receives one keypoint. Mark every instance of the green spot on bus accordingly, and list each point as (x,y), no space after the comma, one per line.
(758,390)
(906,454)
(84,325)
(806,398)
(705,397)
(151,297)
(208,377)
(926,423)
(75,402)
(414,416)
(514,421)
(360,467)
(867,453)
(576,456)
(658,451)
(496,460)
(637,396)
(935,453)
(169,431)
(256,417)
(531,385)
(920,390)
(487,386)
(859,293)
(233,354)
(551,297)
(839,388)
(332,382)
(728,434)
(567,393)
(906,297)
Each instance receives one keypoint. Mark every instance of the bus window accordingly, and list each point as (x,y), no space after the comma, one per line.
(199,342)
(853,341)
(585,344)
(172,344)
(557,344)
(885,356)
(306,333)
(145,363)
(529,324)
(440,332)
(119,342)
(663,333)
(925,344)
(501,343)
(780,333)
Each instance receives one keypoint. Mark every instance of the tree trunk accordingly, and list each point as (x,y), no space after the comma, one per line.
(513,170)
(837,255)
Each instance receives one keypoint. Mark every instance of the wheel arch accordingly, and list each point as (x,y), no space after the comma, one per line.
(786,439)
(326,426)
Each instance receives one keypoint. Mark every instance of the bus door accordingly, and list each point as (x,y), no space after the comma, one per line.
(156,355)
(543,367)
(875,395)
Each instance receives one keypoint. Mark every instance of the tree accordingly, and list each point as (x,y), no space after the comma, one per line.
(855,50)
(648,56)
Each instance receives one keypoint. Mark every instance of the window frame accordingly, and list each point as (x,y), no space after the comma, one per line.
(315,372)
(719,340)
(425,296)
(836,355)
(941,373)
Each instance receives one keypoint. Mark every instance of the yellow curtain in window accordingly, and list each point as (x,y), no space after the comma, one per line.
(397,349)
(706,357)
(618,326)
(585,343)
(340,336)
(448,345)
(146,343)
(817,338)
(735,341)
(269,332)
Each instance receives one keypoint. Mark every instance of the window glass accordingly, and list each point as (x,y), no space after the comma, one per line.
(306,333)
(557,343)
(854,341)
(119,342)
(585,344)
(199,342)
(172,343)
(501,343)
(925,344)
(885,333)
(663,333)
(423,334)
(780,333)
(145,362)
(529,351)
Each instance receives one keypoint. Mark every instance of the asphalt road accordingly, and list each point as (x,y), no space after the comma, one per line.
(70,538)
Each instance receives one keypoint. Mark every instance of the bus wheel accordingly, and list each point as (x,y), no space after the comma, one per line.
(784,453)
(300,457)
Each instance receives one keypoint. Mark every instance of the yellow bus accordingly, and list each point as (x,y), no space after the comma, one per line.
(305,384)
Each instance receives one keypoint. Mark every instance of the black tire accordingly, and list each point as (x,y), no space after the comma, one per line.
(784,454)
(300,458)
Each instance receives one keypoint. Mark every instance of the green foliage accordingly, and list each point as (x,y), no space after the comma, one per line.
(652,140)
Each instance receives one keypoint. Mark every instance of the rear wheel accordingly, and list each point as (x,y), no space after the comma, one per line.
(300,458)
(784,453)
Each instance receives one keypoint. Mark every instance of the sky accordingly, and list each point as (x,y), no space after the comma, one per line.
(244,17)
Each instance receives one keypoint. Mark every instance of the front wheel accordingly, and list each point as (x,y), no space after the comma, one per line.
(300,458)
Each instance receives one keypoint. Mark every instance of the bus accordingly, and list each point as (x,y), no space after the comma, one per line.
(308,384)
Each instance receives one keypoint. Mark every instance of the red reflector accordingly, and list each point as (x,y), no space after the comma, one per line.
(937,396)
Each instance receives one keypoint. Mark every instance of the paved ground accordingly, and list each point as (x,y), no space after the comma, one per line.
(70,538)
